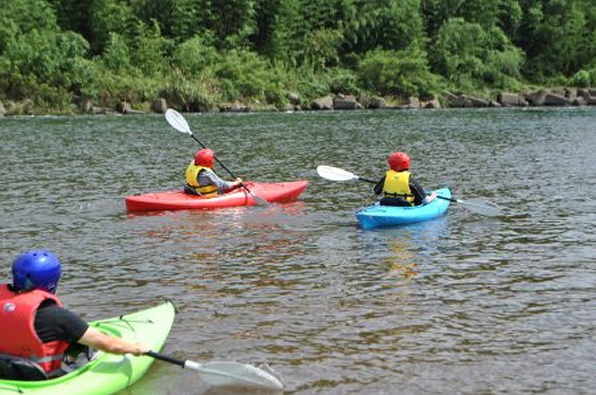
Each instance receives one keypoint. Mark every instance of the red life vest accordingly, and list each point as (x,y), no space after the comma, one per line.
(19,339)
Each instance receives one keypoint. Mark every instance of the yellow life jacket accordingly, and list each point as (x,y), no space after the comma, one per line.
(397,184)
(192,171)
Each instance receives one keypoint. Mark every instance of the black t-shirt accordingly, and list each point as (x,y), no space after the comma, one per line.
(56,323)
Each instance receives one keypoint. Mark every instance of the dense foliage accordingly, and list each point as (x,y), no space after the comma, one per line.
(197,53)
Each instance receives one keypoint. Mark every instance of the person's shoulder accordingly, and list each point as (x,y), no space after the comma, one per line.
(56,311)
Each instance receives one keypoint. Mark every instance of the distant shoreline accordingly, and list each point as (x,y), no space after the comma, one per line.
(556,97)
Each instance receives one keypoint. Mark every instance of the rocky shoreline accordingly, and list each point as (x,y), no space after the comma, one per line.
(538,98)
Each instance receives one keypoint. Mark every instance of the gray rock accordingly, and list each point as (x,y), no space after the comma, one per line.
(585,93)
(537,98)
(510,99)
(553,99)
(323,103)
(160,106)
(478,102)
(579,101)
(348,102)
(377,103)
(571,93)
(414,102)
(456,101)
(293,98)
(434,103)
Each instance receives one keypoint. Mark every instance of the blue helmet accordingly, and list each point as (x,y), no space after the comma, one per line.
(36,270)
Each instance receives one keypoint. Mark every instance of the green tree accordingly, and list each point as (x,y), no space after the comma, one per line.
(398,73)
(471,57)
(19,17)
(387,24)
(557,36)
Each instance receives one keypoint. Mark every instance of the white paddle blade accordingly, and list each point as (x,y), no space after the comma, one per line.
(177,121)
(481,207)
(335,174)
(235,374)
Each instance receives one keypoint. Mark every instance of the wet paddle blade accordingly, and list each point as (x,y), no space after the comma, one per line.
(481,207)
(335,174)
(235,374)
(259,200)
(177,121)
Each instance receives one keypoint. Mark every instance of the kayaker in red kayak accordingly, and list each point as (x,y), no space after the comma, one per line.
(202,180)
(398,186)
(37,331)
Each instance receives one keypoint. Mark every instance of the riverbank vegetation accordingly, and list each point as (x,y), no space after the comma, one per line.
(57,55)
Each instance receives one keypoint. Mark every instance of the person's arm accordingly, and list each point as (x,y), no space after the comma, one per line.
(378,188)
(419,193)
(210,178)
(57,323)
(111,344)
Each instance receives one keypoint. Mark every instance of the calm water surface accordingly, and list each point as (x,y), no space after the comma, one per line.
(463,304)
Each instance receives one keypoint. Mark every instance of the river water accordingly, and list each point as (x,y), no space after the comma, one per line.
(463,304)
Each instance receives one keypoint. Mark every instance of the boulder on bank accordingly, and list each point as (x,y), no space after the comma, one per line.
(555,99)
(377,103)
(511,100)
(346,102)
(322,103)
(2,110)
(456,101)
(294,98)
(536,98)
(160,106)
(126,108)
(234,107)
(478,102)
(431,104)
(414,103)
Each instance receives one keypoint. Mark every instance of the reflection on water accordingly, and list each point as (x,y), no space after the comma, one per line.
(461,304)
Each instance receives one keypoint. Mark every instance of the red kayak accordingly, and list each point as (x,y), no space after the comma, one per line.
(178,200)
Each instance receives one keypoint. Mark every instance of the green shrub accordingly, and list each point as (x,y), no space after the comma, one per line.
(398,73)
(194,56)
(584,78)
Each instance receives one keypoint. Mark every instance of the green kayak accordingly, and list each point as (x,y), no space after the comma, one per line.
(108,373)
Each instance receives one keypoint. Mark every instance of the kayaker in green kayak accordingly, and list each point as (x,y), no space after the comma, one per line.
(202,180)
(398,186)
(36,329)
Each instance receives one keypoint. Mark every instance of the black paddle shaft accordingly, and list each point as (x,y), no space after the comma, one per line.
(218,161)
(367,180)
(166,358)
(440,197)
(259,200)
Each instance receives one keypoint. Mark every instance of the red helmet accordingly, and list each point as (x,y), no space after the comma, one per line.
(204,157)
(399,161)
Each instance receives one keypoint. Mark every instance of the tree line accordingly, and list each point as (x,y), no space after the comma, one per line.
(198,53)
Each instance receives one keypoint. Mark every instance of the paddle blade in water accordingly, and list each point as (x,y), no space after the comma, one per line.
(235,374)
(177,121)
(481,207)
(259,200)
(335,174)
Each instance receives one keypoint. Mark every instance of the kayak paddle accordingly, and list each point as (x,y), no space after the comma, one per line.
(476,205)
(231,374)
(177,121)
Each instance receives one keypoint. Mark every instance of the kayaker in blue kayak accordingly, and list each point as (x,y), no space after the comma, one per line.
(202,180)
(37,331)
(398,186)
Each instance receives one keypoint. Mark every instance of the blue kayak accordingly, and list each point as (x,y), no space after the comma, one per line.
(376,216)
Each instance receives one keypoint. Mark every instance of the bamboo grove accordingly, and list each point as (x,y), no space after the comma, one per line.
(197,53)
